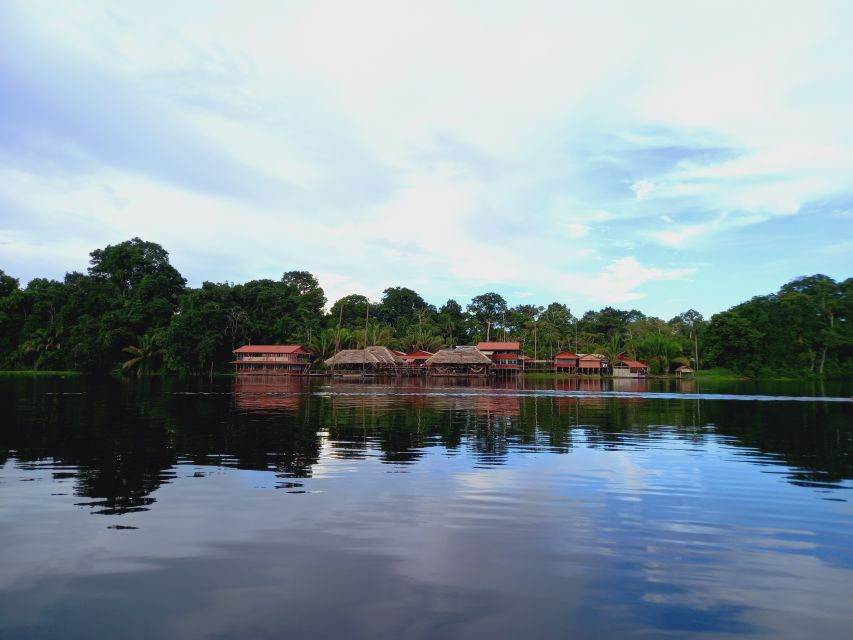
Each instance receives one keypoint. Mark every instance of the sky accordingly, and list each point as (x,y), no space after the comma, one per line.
(652,155)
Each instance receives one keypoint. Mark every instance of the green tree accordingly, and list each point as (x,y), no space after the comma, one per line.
(487,311)
(451,323)
(351,311)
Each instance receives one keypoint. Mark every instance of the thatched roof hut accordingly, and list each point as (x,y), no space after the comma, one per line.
(459,356)
(371,357)
(461,361)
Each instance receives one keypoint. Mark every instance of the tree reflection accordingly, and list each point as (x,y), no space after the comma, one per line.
(125,438)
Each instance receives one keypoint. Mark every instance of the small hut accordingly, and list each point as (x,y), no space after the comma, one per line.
(368,359)
(624,368)
(592,364)
(685,372)
(461,361)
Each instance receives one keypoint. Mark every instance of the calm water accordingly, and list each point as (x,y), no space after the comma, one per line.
(168,509)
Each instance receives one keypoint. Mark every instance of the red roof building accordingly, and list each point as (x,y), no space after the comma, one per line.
(566,362)
(505,356)
(498,346)
(624,368)
(271,359)
(591,363)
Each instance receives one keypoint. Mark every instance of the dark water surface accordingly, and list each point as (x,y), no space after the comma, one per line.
(187,509)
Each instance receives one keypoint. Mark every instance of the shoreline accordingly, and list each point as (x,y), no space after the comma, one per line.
(708,375)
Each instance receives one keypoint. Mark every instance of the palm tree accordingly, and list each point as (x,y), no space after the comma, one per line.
(41,344)
(613,347)
(658,349)
(144,355)
(376,334)
(323,344)
(422,339)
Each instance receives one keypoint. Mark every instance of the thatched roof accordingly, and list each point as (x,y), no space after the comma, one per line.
(370,356)
(459,355)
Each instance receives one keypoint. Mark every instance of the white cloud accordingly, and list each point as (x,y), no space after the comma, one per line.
(619,280)
(577,230)
(642,189)
(374,156)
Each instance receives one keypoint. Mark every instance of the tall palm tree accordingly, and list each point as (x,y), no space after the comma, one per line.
(144,355)
(323,344)
(613,347)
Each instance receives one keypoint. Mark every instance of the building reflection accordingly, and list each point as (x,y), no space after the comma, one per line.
(266,393)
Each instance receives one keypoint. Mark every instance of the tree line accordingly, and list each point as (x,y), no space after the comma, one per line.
(133,311)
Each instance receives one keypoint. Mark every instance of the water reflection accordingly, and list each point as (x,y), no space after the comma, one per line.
(432,508)
(124,438)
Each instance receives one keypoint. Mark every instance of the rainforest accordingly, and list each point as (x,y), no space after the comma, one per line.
(133,312)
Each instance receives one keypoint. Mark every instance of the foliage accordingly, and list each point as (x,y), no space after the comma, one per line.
(144,356)
(133,302)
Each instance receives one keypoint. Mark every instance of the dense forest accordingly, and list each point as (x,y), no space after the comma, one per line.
(133,312)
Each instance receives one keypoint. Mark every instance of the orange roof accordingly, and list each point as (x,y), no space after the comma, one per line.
(499,346)
(271,348)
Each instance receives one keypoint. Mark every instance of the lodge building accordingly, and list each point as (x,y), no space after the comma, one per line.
(272,359)
(505,356)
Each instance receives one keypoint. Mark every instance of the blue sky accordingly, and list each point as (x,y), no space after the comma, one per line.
(655,155)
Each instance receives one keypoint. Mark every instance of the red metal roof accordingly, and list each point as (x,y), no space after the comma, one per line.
(418,355)
(633,364)
(499,346)
(566,354)
(271,348)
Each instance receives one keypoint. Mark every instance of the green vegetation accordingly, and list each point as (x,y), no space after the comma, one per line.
(718,373)
(132,312)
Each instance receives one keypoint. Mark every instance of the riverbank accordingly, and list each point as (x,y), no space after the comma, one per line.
(705,375)
(717,374)
(30,372)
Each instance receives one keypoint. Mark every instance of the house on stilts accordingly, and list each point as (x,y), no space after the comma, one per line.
(505,356)
(592,364)
(272,359)
(375,359)
(566,362)
(461,361)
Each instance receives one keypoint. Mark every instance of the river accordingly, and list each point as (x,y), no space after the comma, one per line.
(541,509)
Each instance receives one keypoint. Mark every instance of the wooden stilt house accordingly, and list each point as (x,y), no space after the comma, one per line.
(271,359)
(461,361)
(505,356)
(369,360)
(566,362)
